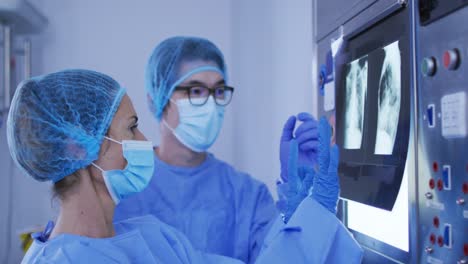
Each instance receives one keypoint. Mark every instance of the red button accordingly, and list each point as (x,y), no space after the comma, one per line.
(440,184)
(432,183)
(465,188)
(451,59)
(436,222)
(465,249)
(440,241)
(432,239)
(435,166)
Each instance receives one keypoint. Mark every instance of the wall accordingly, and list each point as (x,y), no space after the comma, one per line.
(273,75)
(116,38)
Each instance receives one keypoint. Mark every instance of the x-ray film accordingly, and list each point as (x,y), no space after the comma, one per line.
(389,100)
(356,90)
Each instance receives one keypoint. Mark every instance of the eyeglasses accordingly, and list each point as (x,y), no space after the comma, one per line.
(198,95)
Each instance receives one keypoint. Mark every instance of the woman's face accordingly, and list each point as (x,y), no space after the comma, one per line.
(124,126)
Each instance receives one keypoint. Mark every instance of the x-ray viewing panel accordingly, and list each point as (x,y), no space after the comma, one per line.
(372,74)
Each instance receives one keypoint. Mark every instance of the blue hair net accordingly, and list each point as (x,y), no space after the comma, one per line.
(164,69)
(57,121)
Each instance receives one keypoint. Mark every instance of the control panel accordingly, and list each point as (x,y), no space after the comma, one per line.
(442,58)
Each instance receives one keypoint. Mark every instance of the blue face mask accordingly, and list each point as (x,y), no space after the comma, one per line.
(199,126)
(136,175)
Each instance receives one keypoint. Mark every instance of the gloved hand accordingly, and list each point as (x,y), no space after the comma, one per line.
(306,136)
(300,181)
(326,188)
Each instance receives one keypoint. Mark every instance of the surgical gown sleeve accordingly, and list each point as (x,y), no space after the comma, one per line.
(263,216)
(312,235)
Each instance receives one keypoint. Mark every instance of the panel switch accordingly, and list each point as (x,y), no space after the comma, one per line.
(447,177)
(451,59)
(429,250)
(430,112)
(447,236)
(428,66)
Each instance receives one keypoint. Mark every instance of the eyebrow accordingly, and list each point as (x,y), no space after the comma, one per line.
(196,82)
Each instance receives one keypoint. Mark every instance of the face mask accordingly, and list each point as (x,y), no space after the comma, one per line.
(199,126)
(136,175)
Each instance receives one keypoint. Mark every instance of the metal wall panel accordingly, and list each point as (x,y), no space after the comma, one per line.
(443,141)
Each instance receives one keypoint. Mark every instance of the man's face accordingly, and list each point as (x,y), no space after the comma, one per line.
(208,79)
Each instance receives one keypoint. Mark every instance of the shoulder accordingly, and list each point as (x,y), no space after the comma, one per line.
(64,249)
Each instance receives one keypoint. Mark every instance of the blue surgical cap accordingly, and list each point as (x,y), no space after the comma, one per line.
(174,60)
(57,122)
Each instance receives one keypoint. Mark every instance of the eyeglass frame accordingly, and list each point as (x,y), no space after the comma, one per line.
(211,91)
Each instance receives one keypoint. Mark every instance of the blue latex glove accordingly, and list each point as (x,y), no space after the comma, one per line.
(300,180)
(326,188)
(306,136)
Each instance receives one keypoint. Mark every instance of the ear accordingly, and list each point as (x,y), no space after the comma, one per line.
(75,150)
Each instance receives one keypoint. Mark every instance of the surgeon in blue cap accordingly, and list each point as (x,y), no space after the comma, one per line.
(220,209)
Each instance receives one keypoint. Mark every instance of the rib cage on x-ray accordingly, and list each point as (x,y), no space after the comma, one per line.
(388,100)
(356,90)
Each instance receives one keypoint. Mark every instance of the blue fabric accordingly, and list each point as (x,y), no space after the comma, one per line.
(164,69)
(326,188)
(313,235)
(138,240)
(57,121)
(306,136)
(43,236)
(220,210)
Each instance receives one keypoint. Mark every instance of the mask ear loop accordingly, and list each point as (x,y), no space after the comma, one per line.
(110,139)
(164,120)
(97,167)
(113,140)
(167,125)
(106,181)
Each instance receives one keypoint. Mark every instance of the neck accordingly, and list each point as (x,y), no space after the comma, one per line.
(86,212)
(172,152)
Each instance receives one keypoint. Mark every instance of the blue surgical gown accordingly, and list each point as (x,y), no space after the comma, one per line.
(221,210)
(138,240)
(312,235)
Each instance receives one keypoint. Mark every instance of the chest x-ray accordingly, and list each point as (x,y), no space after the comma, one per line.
(389,100)
(356,90)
